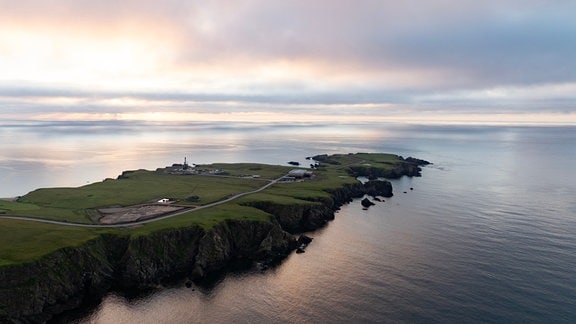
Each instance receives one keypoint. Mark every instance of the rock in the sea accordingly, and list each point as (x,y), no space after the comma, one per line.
(378,188)
(367,203)
(304,240)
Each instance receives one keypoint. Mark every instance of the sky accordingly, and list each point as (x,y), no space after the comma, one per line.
(445,61)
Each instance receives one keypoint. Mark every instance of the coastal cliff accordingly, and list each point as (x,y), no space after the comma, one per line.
(33,292)
(313,214)
(30,292)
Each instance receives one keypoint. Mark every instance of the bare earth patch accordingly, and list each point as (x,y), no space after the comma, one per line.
(115,215)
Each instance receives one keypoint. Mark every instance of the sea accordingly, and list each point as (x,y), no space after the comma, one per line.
(486,235)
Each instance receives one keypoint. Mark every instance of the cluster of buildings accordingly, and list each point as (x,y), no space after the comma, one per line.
(190,171)
(186,169)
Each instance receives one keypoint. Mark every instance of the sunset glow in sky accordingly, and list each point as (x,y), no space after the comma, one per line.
(446,61)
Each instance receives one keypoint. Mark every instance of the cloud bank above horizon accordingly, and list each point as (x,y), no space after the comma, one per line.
(259,60)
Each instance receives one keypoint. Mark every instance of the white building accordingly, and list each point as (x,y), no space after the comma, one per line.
(300,173)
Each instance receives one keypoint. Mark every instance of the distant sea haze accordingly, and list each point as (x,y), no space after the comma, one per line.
(487,234)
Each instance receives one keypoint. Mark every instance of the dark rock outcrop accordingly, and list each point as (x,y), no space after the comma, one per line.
(304,240)
(366,203)
(297,218)
(379,188)
(30,293)
(315,213)
(239,240)
(416,161)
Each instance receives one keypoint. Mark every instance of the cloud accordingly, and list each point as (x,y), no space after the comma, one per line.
(113,57)
(529,51)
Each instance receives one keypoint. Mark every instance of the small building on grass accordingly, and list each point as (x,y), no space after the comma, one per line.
(300,173)
(287,179)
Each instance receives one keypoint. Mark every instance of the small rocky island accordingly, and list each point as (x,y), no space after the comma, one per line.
(62,246)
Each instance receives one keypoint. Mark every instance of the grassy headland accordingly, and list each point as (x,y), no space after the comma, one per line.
(24,241)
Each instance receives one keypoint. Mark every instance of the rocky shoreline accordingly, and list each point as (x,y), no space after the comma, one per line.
(60,281)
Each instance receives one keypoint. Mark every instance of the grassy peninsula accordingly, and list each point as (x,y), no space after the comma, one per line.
(61,246)
(24,241)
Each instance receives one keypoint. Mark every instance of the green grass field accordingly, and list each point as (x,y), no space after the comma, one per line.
(265,171)
(76,204)
(205,218)
(22,241)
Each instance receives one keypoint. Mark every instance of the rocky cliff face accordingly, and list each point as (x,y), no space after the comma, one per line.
(29,293)
(241,240)
(33,292)
(395,172)
(308,216)
(152,258)
(296,218)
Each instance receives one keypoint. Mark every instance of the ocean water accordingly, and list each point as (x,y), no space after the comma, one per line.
(488,234)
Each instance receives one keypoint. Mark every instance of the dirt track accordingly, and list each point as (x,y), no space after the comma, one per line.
(142,221)
(115,215)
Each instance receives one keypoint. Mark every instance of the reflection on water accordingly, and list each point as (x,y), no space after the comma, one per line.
(487,235)
(73,154)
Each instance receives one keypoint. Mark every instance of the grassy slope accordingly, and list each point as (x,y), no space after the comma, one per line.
(265,171)
(205,218)
(22,241)
(74,204)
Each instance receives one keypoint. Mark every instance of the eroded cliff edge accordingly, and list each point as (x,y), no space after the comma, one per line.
(296,218)
(33,292)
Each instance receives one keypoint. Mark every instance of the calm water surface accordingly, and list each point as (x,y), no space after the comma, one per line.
(487,235)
